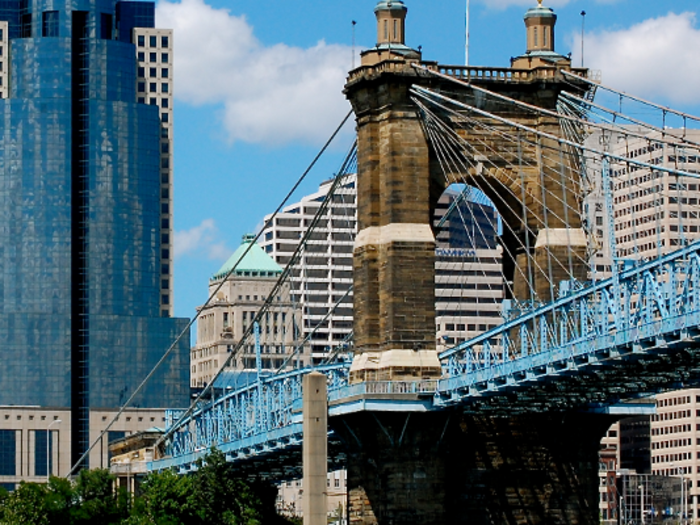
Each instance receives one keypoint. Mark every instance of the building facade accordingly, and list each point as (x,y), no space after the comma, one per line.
(469,284)
(322,277)
(85,243)
(249,277)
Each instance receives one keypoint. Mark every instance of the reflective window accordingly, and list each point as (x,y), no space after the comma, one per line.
(8,453)
(41,460)
(141,42)
(164,41)
(49,25)
(152,41)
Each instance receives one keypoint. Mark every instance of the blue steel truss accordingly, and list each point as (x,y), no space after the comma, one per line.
(651,308)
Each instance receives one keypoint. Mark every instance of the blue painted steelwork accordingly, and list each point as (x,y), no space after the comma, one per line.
(622,316)
(614,321)
(263,417)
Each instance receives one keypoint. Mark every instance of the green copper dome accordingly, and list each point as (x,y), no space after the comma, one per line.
(255,263)
(391,5)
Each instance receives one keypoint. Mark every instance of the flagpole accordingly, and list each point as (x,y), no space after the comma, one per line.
(466,39)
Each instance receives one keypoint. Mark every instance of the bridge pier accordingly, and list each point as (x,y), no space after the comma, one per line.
(452,468)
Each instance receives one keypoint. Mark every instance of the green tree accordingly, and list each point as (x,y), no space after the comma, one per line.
(221,496)
(97,500)
(166,499)
(26,506)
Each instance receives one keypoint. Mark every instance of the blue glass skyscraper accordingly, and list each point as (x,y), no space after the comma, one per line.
(84,215)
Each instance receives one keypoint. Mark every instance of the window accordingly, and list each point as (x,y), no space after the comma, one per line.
(105,26)
(164,103)
(141,43)
(141,71)
(43,464)
(142,100)
(26,26)
(1,35)
(164,87)
(535,38)
(164,72)
(141,56)
(164,41)
(165,298)
(152,57)
(153,101)
(151,71)
(164,117)
(8,446)
(152,87)
(165,148)
(142,87)
(164,58)
(49,23)
(152,41)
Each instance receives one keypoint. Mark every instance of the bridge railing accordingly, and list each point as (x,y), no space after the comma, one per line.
(257,409)
(646,302)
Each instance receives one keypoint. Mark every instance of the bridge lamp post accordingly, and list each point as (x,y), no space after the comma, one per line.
(641,506)
(48,441)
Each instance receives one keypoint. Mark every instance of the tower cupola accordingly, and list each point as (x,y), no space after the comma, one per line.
(391,35)
(391,22)
(540,22)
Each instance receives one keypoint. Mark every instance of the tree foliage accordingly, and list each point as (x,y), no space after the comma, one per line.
(212,495)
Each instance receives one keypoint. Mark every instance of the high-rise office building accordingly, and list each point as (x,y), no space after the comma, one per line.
(323,275)
(85,221)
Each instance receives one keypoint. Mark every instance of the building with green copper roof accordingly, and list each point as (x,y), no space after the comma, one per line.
(249,260)
(241,287)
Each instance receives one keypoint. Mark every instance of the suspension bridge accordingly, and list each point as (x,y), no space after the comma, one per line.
(600,293)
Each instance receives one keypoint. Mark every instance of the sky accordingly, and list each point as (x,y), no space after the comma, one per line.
(258,91)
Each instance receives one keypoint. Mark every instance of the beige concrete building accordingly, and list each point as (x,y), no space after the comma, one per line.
(28,433)
(675,444)
(223,322)
(154,86)
(655,212)
(323,275)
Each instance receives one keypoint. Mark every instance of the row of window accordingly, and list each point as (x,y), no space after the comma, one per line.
(153,71)
(152,57)
(152,87)
(164,102)
(152,41)
(674,443)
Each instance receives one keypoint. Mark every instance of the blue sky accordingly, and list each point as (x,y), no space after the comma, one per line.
(258,90)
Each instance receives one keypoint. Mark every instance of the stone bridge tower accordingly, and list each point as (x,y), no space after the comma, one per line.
(456,467)
(400,181)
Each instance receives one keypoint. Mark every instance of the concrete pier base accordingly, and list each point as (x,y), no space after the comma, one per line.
(315,448)
(440,469)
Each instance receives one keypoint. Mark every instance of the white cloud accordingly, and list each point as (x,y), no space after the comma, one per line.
(273,94)
(502,4)
(656,59)
(201,240)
